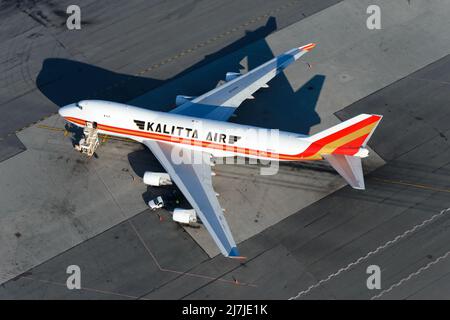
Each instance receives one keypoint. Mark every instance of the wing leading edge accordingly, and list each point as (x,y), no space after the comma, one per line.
(194,181)
(221,102)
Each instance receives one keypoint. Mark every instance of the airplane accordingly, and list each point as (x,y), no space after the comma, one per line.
(198,127)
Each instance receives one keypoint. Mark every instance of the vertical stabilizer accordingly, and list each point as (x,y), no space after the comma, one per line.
(349,168)
(344,145)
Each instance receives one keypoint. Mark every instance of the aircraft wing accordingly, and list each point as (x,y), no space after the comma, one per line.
(221,102)
(194,181)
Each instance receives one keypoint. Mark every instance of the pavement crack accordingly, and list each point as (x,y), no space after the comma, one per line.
(414,274)
(371,253)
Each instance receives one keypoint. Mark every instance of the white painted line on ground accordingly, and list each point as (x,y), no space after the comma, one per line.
(371,253)
(411,275)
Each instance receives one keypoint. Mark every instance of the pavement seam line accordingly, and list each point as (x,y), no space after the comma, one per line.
(210,40)
(180,54)
(183,272)
(82,288)
(409,184)
(420,270)
(371,253)
(61,284)
(105,138)
(233,269)
(151,253)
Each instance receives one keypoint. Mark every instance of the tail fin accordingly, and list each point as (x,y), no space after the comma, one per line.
(349,167)
(347,137)
(343,146)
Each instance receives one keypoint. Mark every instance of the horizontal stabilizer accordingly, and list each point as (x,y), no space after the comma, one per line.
(349,168)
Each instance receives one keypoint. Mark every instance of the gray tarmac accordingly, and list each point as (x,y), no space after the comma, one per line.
(46,212)
(123,49)
(322,249)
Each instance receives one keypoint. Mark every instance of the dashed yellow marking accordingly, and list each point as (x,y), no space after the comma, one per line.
(193,49)
(215,38)
(43,126)
(414,185)
(104,137)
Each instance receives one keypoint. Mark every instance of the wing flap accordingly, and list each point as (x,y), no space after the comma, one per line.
(205,111)
(194,181)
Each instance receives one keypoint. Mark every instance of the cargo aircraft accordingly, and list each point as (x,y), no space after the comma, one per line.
(198,126)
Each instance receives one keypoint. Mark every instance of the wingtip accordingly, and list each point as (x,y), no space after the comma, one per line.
(241,258)
(234,254)
(308,47)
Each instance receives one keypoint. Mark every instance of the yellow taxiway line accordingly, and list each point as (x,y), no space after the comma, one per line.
(414,185)
(104,137)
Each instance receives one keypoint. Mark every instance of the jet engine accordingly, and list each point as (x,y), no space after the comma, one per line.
(179,100)
(157,178)
(185,216)
(231,76)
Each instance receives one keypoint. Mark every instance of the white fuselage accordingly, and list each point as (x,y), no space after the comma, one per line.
(221,139)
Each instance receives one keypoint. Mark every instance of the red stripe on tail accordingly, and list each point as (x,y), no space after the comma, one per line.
(351,147)
(318,144)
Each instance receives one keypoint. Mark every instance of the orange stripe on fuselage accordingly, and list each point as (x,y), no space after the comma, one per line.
(311,153)
(179,140)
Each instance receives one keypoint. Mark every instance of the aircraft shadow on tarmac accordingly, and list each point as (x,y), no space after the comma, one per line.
(66,81)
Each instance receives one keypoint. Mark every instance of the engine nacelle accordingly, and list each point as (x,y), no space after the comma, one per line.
(231,76)
(186,216)
(157,178)
(179,100)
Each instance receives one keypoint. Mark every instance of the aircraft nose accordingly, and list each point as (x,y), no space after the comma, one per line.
(63,111)
(66,111)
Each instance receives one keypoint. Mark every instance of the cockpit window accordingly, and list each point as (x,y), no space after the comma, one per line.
(79,106)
